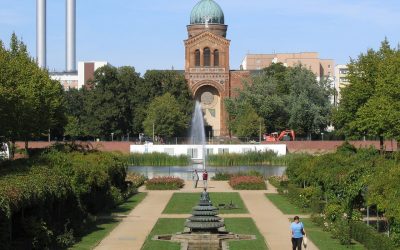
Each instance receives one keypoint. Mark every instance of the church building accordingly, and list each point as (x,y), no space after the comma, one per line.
(207,68)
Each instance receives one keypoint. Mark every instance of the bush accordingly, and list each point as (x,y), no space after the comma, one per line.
(45,200)
(135,179)
(247,183)
(369,237)
(165,183)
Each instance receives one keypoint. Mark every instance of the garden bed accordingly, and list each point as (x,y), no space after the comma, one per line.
(247,183)
(165,183)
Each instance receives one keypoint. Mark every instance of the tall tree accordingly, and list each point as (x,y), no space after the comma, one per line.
(32,103)
(370,104)
(245,122)
(287,98)
(108,107)
(166,116)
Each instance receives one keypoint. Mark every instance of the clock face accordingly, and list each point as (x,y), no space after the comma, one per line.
(207,98)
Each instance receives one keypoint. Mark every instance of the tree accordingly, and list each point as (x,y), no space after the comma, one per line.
(32,104)
(246,122)
(166,116)
(108,107)
(156,83)
(370,103)
(287,98)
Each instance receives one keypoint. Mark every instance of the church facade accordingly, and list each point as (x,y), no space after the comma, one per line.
(207,69)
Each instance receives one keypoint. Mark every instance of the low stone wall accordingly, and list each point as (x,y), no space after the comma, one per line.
(313,147)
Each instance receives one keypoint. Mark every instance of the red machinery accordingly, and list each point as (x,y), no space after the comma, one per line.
(287,135)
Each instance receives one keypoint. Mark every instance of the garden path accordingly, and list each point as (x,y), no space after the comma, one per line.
(131,233)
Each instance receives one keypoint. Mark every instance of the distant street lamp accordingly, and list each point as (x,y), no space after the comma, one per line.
(112,136)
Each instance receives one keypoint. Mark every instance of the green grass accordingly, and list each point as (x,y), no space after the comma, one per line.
(102,227)
(182,203)
(245,226)
(283,204)
(323,240)
(236,225)
(164,226)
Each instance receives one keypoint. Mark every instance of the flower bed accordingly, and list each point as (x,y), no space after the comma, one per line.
(135,179)
(165,183)
(247,183)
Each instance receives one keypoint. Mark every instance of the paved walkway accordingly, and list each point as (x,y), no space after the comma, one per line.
(131,233)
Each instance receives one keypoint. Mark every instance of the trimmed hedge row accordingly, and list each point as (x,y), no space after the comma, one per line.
(45,200)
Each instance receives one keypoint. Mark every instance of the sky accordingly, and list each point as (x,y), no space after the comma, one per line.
(149,34)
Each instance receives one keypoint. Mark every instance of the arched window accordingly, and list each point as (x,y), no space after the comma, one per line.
(216,57)
(207,57)
(197,58)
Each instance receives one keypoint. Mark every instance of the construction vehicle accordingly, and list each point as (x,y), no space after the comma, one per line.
(287,135)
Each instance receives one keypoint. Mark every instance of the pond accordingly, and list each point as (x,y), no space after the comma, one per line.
(186,172)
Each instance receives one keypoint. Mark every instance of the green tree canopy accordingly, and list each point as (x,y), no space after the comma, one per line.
(167,117)
(287,98)
(107,107)
(370,103)
(31,103)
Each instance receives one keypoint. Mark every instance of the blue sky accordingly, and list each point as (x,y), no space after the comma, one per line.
(149,34)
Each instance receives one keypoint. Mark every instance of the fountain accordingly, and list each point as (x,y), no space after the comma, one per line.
(197,131)
(204,229)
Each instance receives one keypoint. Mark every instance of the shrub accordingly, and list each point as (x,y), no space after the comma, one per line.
(45,199)
(369,237)
(135,179)
(165,183)
(247,183)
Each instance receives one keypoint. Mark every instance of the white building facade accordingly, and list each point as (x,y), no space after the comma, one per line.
(76,80)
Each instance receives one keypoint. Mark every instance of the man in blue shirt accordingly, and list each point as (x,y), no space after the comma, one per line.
(297,232)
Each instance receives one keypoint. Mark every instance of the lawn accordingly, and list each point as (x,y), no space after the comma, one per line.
(103,226)
(283,204)
(324,240)
(164,226)
(236,225)
(245,226)
(182,203)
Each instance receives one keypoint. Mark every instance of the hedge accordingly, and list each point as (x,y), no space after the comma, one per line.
(369,237)
(46,200)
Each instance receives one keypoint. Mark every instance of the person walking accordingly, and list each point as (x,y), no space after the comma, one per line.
(205,178)
(297,233)
(195,178)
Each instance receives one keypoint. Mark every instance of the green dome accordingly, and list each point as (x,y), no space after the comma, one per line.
(207,9)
